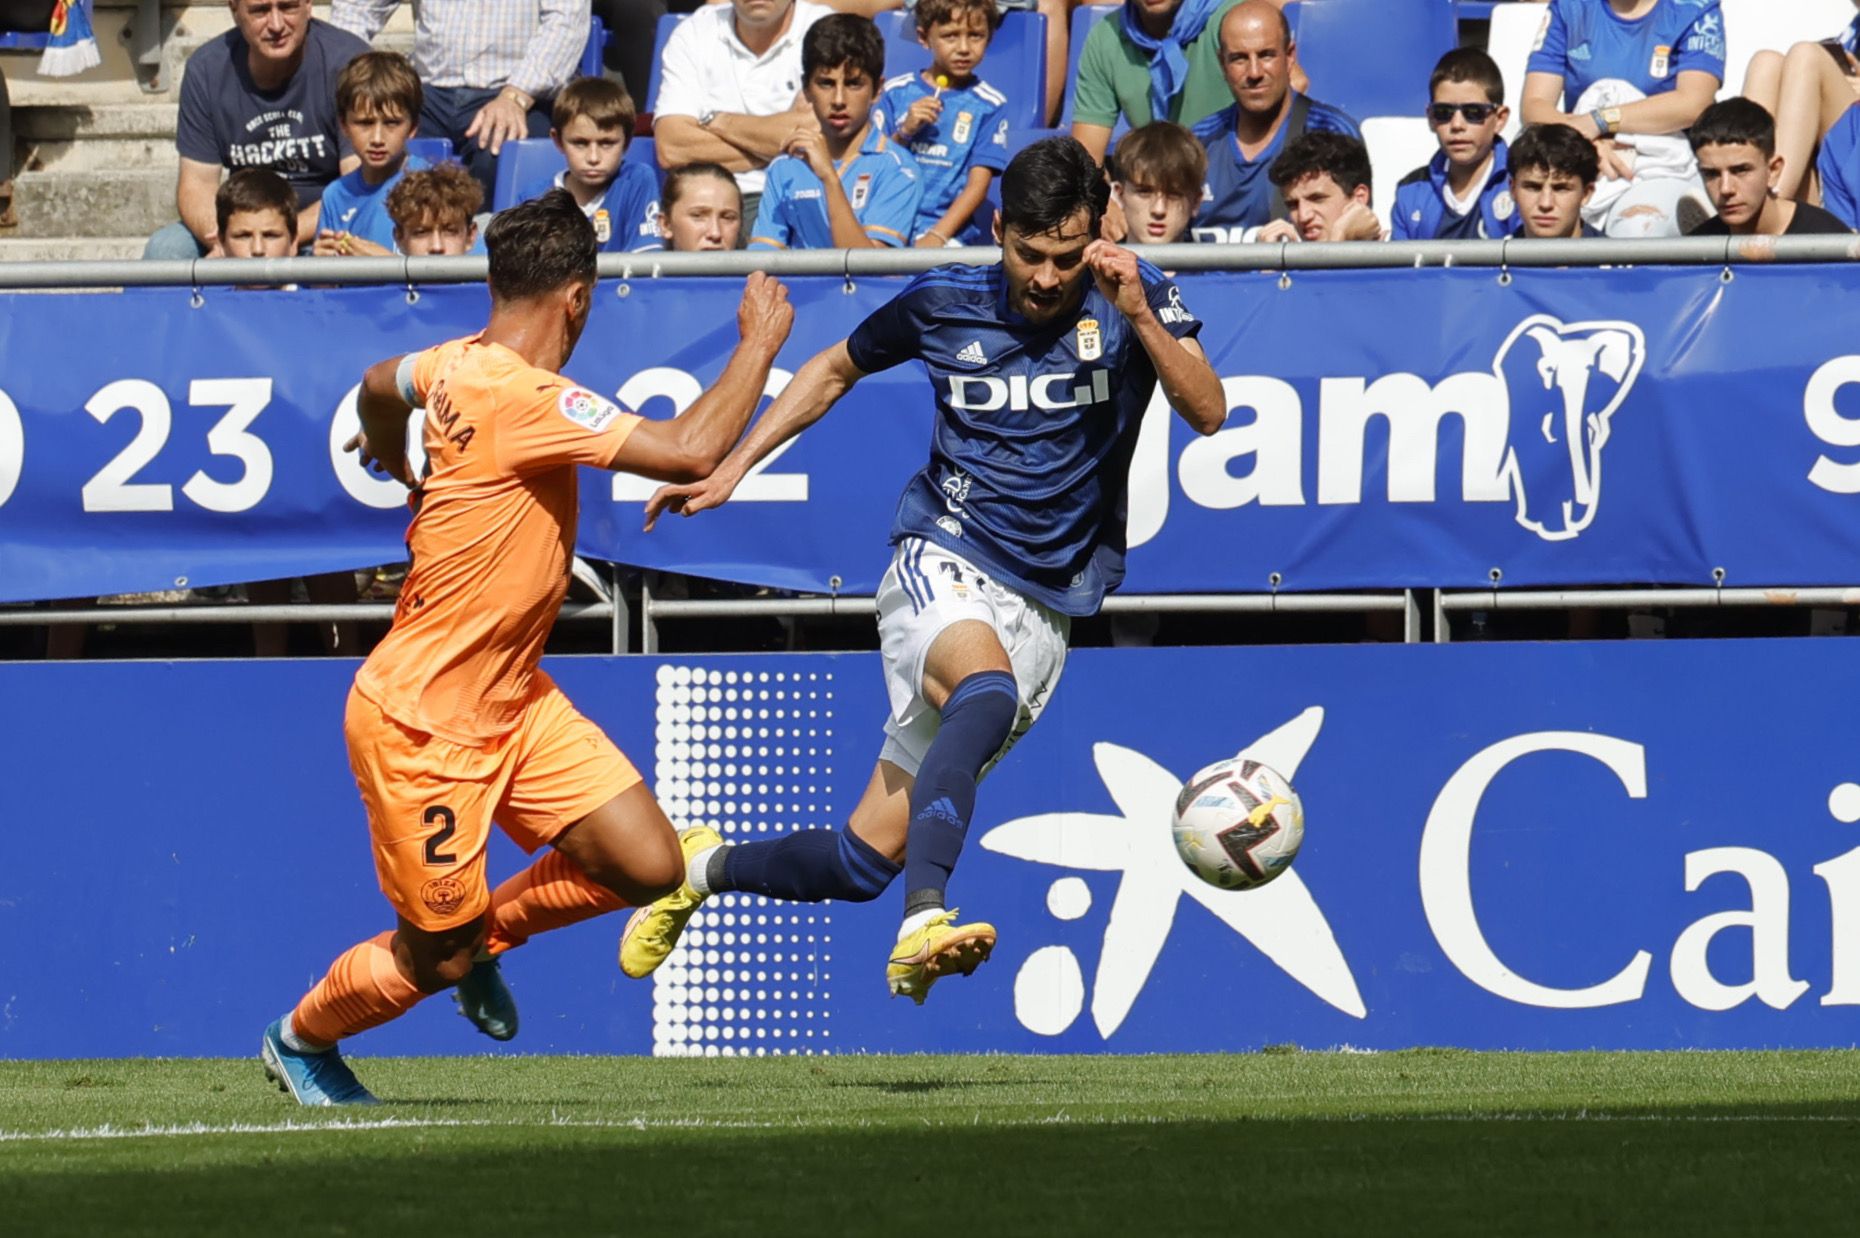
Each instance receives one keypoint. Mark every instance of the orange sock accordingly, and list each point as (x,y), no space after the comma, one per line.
(362,990)
(550,894)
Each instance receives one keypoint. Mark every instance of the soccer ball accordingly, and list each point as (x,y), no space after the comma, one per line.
(1238,824)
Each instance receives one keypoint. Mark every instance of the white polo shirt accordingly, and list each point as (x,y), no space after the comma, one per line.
(706,68)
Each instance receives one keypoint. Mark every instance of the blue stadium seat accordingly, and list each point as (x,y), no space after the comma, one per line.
(667,24)
(519,163)
(1018,140)
(1083,19)
(642,150)
(1015,64)
(593,53)
(1372,57)
(433,150)
(24,41)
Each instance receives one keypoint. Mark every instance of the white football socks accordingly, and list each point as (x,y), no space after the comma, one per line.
(917,920)
(695,870)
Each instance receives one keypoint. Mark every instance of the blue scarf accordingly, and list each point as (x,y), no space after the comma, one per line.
(1168,55)
(72,47)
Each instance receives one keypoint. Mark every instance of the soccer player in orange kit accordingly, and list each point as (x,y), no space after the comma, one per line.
(451,723)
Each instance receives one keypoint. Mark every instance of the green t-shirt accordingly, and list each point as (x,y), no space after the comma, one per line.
(1114,77)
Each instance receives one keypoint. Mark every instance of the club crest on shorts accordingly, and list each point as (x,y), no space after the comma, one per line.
(443,896)
(964,121)
(1091,339)
(862,189)
(603,226)
(585,409)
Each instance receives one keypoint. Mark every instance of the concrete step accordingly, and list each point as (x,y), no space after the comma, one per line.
(94,204)
(81,122)
(102,155)
(70,249)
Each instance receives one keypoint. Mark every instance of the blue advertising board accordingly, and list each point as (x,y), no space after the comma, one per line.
(1386,429)
(1645,845)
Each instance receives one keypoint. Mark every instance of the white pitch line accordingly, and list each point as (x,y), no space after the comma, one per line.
(349,1126)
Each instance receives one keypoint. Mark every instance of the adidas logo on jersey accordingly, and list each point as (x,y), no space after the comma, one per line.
(973,354)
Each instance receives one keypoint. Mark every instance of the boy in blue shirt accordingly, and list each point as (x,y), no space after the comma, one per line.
(592,121)
(847,185)
(1464,192)
(378,99)
(951,120)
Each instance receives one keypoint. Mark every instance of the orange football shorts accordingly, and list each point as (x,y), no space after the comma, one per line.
(431,802)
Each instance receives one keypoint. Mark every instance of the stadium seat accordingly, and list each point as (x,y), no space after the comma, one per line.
(1083,19)
(1397,146)
(1372,57)
(1513,34)
(594,51)
(24,41)
(667,24)
(1018,140)
(1752,26)
(433,150)
(519,163)
(1015,64)
(642,151)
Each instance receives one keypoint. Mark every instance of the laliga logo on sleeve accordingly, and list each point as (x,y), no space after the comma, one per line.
(1282,919)
(586,409)
(1564,382)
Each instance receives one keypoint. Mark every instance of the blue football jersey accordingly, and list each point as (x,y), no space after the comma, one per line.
(1838,165)
(1238,193)
(881,183)
(971,133)
(352,205)
(626,217)
(1584,42)
(1421,212)
(1035,426)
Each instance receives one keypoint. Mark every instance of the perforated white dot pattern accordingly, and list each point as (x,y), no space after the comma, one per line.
(748,753)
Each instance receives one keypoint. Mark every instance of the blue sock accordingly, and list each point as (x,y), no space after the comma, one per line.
(977,719)
(807,866)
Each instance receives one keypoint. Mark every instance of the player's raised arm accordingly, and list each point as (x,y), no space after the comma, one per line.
(690,446)
(821,382)
(382,405)
(1182,368)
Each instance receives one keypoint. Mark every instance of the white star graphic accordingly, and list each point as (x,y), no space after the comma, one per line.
(1281,919)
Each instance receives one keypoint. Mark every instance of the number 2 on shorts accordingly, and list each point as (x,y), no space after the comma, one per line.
(447,825)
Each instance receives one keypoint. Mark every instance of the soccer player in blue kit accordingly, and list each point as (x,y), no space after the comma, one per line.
(1041,367)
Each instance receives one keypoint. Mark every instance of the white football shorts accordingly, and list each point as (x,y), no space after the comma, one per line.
(926,589)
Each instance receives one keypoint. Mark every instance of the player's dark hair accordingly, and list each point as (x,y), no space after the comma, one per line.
(1338,155)
(1162,156)
(255,189)
(1555,148)
(843,39)
(1469,64)
(1047,183)
(539,245)
(931,13)
(1735,122)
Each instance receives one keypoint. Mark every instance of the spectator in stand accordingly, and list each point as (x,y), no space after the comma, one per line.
(1553,174)
(435,213)
(729,89)
(840,183)
(490,67)
(1156,177)
(1266,116)
(1464,192)
(1806,90)
(1735,142)
(958,157)
(378,104)
(700,208)
(262,95)
(592,122)
(255,215)
(1325,180)
(1634,75)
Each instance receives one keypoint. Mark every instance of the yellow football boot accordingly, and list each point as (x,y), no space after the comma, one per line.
(940,948)
(652,932)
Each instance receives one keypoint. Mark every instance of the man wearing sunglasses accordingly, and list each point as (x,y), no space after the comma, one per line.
(1464,192)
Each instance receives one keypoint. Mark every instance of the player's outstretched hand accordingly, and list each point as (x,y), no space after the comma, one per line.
(1119,281)
(765,317)
(689,498)
(397,469)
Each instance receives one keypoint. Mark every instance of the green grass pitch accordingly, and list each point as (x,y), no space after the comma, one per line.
(1276,1143)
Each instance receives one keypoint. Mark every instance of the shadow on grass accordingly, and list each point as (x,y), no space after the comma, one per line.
(1684,1172)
